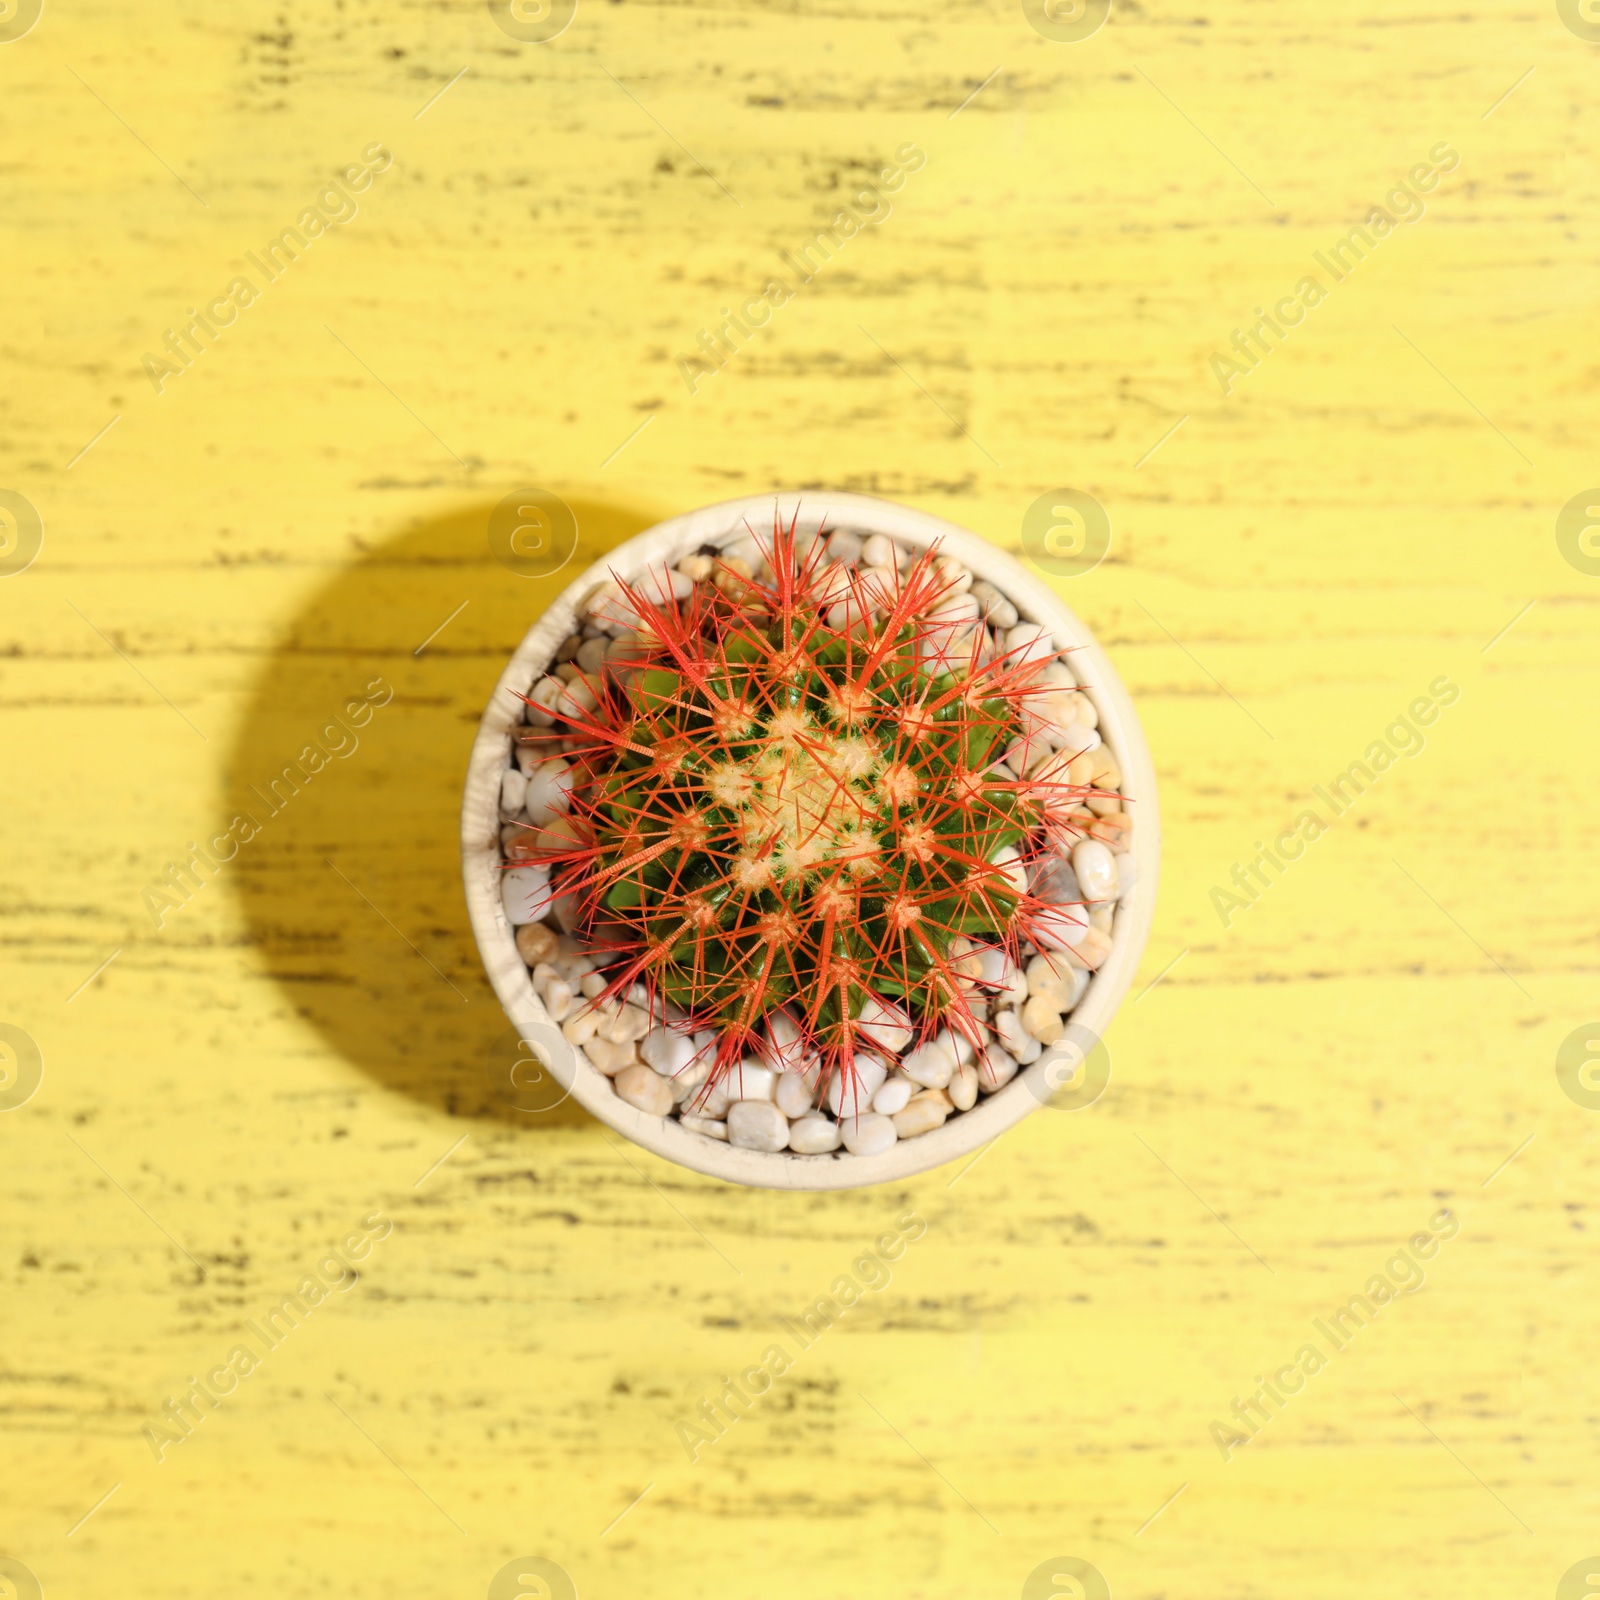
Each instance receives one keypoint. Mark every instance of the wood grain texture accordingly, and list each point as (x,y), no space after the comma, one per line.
(305,1041)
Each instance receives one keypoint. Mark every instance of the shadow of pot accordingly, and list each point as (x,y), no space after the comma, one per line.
(349,767)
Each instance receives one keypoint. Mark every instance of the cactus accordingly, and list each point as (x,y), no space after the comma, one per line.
(785,795)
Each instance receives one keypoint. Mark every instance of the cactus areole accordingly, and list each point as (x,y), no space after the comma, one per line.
(793,798)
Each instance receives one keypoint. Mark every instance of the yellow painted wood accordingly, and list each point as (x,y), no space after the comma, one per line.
(304,1043)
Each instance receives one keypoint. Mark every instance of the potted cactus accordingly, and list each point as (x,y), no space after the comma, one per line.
(809,837)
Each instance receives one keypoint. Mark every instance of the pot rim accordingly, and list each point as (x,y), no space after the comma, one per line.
(480,837)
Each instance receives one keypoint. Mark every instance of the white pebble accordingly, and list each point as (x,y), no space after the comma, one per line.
(626,652)
(705,1043)
(749,1080)
(625,1025)
(932,1064)
(757,1125)
(878,552)
(892,1095)
(1051,714)
(513,791)
(609,611)
(668,1051)
(954,609)
(578,698)
(785,1046)
(525,893)
(712,1102)
(958,1044)
(745,549)
(884,1024)
(963,1090)
(558,997)
(999,611)
(870,1134)
(1009,859)
(610,1057)
(1055,979)
(662,585)
(552,838)
(1015,987)
(1076,740)
(845,546)
(709,1126)
(925,1112)
(846,1099)
(647,1090)
(1060,927)
(793,1096)
(535,945)
(996,1068)
(983,969)
(946,653)
(1095,869)
(1029,642)
(844,615)
(874,591)
(1055,881)
(542,702)
(686,1084)
(813,1135)
(1041,1018)
(1106,777)
(1017,1040)
(1094,947)
(1030,754)
(579,1027)
(569,962)
(833,583)
(549,791)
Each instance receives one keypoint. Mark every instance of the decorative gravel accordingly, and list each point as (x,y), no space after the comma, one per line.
(775,1100)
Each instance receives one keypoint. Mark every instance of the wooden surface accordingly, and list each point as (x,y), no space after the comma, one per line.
(305,1042)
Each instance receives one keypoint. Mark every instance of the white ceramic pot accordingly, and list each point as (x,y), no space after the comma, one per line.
(1037,1084)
